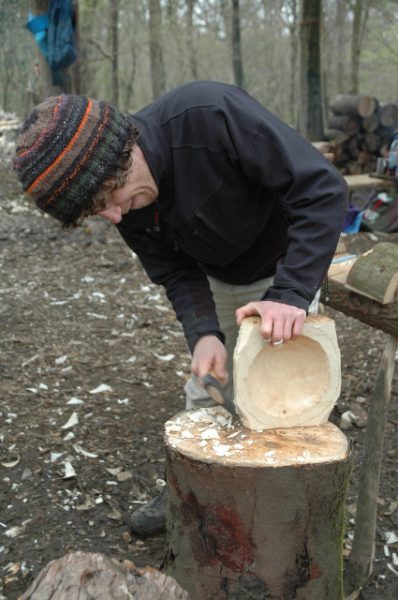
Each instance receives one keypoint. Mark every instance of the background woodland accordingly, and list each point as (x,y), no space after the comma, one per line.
(131,51)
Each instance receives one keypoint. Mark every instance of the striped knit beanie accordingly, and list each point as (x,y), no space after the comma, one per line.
(68,146)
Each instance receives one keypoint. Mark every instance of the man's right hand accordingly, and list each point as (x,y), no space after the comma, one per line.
(209,356)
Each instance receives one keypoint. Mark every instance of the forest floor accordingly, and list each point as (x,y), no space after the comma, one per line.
(92,364)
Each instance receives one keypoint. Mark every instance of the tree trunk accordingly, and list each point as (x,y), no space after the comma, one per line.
(75,69)
(341,17)
(115,51)
(86,575)
(40,7)
(311,123)
(361,12)
(193,63)
(158,76)
(237,60)
(255,514)
(293,61)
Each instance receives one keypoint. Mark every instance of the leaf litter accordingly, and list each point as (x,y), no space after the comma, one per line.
(55,355)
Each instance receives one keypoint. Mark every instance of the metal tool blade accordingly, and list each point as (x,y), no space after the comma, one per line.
(216,390)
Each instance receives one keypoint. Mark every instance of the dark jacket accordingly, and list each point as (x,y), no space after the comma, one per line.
(241,196)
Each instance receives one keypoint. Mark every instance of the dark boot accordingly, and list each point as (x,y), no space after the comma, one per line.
(150,519)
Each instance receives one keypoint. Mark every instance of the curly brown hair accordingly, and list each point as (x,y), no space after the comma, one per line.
(116,181)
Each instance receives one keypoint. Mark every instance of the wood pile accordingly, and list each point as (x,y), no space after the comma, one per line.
(361,129)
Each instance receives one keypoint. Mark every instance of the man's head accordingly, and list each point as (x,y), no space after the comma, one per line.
(73,150)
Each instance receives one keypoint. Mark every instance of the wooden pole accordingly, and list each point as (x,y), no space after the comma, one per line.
(255,514)
(361,558)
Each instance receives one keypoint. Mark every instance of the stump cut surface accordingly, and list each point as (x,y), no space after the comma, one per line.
(211,436)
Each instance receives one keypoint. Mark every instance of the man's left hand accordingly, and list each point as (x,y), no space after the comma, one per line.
(278,321)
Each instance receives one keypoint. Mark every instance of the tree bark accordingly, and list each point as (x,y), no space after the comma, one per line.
(371,123)
(237,60)
(193,63)
(158,76)
(341,17)
(388,114)
(375,274)
(361,13)
(346,123)
(380,316)
(83,575)
(354,105)
(255,514)
(115,51)
(311,124)
(293,49)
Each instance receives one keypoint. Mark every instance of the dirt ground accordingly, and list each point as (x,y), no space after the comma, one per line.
(92,363)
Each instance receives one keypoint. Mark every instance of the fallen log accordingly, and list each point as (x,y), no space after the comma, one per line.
(84,575)
(255,514)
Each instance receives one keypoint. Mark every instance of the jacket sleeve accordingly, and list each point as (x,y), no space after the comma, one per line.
(312,193)
(185,283)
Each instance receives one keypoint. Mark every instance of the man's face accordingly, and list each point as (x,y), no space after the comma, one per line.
(139,191)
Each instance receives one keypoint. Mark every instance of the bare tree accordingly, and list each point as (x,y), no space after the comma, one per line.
(158,76)
(311,120)
(115,50)
(360,10)
(193,63)
(341,16)
(237,61)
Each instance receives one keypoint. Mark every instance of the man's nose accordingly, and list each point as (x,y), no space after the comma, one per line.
(112,214)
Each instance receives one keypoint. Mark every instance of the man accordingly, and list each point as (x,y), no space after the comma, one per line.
(225,205)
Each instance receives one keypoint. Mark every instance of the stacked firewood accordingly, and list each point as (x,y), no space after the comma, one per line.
(360,130)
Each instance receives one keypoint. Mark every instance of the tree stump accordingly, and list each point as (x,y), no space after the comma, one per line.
(255,514)
(85,576)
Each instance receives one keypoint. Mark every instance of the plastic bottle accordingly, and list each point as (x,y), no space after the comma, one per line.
(392,161)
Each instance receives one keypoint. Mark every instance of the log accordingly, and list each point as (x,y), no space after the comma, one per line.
(255,514)
(354,105)
(291,385)
(370,123)
(354,168)
(323,147)
(364,181)
(375,274)
(336,136)
(84,575)
(388,114)
(373,141)
(346,123)
(361,557)
(370,312)
(352,147)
